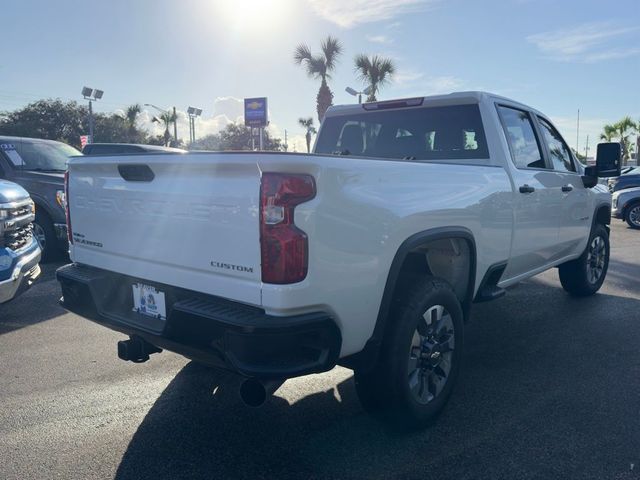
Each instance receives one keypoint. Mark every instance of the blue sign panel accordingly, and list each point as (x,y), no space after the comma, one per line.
(255,112)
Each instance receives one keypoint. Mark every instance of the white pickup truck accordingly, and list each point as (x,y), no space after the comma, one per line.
(367,253)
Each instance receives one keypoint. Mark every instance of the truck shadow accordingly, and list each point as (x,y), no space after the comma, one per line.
(542,391)
(38,304)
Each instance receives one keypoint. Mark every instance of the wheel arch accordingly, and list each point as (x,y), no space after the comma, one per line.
(602,215)
(398,266)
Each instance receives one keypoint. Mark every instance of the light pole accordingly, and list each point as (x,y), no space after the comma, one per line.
(354,92)
(175,118)
(91,94)
(193,112)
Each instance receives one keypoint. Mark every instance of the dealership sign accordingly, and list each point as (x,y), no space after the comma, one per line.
(255,112)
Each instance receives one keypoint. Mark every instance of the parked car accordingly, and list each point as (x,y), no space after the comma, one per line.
(19,250)
(38,166)
(367,253)
(121,148)
(605,181)
(626,206)
(628,179)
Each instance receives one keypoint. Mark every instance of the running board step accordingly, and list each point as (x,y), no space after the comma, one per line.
(489,289)
(488,293)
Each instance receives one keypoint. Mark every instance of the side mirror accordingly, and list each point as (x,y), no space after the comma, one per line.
(609,159)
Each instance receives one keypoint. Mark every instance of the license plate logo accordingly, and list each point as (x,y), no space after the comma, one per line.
(149,301)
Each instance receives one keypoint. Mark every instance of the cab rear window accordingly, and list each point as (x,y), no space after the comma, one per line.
(428,133)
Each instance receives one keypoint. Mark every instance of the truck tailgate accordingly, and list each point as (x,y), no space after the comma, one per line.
(189,220)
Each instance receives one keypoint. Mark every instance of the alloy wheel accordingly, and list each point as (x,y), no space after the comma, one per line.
(634,215)
(596,259)
(431,354)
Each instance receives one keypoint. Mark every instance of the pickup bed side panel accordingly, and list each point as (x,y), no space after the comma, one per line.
(364,211)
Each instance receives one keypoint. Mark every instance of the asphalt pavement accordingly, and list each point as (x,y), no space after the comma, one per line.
(550,388)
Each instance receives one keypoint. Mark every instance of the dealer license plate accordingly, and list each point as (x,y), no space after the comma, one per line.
(149,301)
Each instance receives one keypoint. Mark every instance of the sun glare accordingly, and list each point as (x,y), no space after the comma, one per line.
(251,15)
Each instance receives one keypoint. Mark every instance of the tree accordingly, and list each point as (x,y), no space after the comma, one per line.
(49,119)
(608,132)
(235,137)
(307,123)
(131,118)
(167,118)
(624,128)
(375,72)
(621,130)
(320,66)
(66,121)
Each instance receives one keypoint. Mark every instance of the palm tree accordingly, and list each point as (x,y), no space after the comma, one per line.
(624,128)
(131,117)
(307,123)
(320,66)
(167,118)
(375,72)
(608,132)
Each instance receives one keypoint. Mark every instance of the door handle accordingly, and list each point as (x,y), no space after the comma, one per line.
(567,188)
(526,189)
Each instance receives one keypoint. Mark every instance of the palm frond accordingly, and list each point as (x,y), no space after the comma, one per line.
(301,54)
(316,67)
(331,49)
(306,122)
(362,66)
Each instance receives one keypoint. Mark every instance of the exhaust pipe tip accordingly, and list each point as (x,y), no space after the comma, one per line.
(255,393)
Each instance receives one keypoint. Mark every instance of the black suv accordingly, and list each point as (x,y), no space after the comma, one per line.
(125,148)
(38,166)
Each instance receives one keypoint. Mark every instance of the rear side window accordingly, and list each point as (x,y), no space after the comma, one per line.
(524,146)
(558,150)
(430,133)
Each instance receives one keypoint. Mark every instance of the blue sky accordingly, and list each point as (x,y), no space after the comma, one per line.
(557,56)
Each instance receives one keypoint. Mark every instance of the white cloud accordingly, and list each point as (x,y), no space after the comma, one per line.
(406,77)
(354,12)
(225,110)
(383,39)
(417,83)
(587,43)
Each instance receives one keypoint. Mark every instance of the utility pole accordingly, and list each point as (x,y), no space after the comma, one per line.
(91,94)
(586,149)
(175,126)
(578,132)
(286,146)
(91,120)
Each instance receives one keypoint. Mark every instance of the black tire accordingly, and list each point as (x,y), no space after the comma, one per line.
(46,235)
(385,388)
(632,215)
(585,275)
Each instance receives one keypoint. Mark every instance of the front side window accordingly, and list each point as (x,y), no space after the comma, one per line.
(521,136)
(428,133)
(558,150)
(45,156)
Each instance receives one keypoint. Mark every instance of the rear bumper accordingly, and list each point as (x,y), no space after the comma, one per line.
(212,330)
(25,272)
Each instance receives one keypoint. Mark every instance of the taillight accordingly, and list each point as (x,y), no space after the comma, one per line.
(284,247)
(66,206)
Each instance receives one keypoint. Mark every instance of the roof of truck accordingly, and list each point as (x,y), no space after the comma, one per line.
(455,98)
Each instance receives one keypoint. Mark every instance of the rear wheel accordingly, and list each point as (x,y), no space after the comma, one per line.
(419,359)
(585,275)
(632,216)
